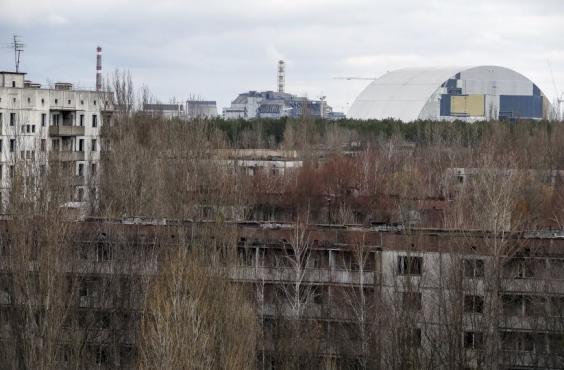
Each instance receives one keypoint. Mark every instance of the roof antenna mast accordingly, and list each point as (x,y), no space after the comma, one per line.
(18,49)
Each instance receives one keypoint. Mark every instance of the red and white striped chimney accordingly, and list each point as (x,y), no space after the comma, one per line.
(98,68)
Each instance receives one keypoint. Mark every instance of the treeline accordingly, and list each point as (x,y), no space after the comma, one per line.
(270,132)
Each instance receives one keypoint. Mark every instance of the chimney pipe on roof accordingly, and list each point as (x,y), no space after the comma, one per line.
(98,68)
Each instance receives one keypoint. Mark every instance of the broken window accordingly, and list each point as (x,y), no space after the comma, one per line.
(473,268)
(473,304)
(103,249)
(473,339)
(408,265)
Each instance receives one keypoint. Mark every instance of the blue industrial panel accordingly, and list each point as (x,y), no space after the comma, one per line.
(445,105)
(520,106)
(536,90)
(451,84)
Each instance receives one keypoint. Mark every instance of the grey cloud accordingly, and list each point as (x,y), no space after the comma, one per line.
(216,49)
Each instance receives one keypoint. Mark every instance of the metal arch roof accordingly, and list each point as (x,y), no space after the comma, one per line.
(400,94)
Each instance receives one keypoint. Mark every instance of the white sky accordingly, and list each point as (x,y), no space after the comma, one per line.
(216,49)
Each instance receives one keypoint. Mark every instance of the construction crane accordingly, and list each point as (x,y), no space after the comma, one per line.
(559,97)
(18,48)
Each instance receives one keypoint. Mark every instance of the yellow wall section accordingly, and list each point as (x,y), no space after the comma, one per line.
(472,105)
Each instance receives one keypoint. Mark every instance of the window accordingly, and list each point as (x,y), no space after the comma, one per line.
(81,145)
(43,145)
(55,144)
(22,154)
(413,338)
(94,102)
(56,101)
(1,119)
(473,340)
(80,195)
(55,120)
(42,101)
(473,268)
(473,304)
(408,265)
(14,100)
(29,100)
(94,120)
(94,146)
(33,128)
(43,119)
(1,146)
(411,301)
(520,268)
(13,83)
(103,251)
(12,171)
(81,120)
(82,102)
(93,169)
(12,145)
(69,101)
(102,356)
(518,341)
(12,119)
(80,169)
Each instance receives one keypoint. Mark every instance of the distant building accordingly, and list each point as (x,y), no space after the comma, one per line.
(271,104)
(167,111)
(468,94)
(201,109)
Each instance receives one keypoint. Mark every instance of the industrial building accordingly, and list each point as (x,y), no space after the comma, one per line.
(270,104)
(277,104)
(197,109)
(454,93)
(193,109)
(166,111)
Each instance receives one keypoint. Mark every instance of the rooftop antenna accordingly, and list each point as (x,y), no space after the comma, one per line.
(18,48)
(281,76)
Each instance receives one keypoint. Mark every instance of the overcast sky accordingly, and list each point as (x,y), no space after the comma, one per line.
(216,49)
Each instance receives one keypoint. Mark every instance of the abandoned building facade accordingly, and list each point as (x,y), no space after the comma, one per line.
(41,125)
(375,297)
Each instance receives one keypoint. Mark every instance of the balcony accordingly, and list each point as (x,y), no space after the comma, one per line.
(66,131)
(66,156)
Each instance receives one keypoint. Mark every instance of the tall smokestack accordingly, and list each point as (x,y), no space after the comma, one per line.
(98,68)
(281,76)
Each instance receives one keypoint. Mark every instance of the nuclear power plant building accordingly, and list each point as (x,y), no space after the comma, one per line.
(454,93)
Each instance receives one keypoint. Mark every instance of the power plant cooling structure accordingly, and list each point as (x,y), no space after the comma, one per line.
(98,68)
(281,76)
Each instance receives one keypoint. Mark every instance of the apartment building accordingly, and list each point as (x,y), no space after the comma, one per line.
(41,125)
(375,297)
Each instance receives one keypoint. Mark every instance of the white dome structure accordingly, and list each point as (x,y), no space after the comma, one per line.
(453,93)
